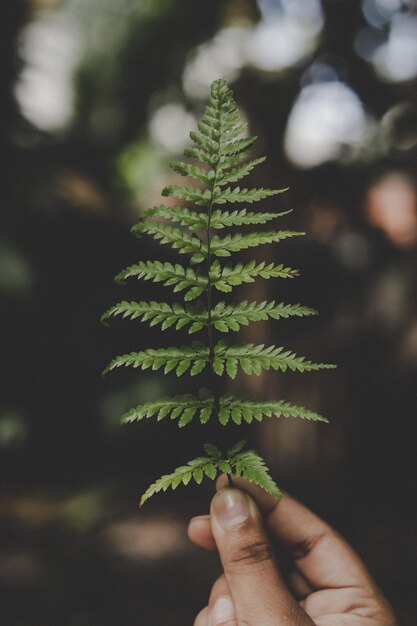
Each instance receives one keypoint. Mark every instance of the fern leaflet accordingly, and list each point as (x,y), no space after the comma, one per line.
(247,464)
(231,408)
(194,358)
(179,277)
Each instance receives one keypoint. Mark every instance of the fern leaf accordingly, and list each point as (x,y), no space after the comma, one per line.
(236,408)
(195,470)
(200,155)
(232,407)
(237,447)
(180,359)
(219,219)
(231,161)
(193,220)
(244,463)
(160,313)
(251,466)
(237,173)
(224,246)
(212,451)
(182,407)
(233,316)
(176,276)
(222,151)
(254,359)
(205,143)
(177,238)
(210,131)
(224,219)
(234,131)
(224,279)
(234,147)
(187,169)
(220,127)
(244,195)
(190,194)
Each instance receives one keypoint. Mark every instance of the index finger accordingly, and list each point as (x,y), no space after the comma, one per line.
(323,557)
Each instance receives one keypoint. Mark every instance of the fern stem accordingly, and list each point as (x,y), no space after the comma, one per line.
(209,284)
(230,481)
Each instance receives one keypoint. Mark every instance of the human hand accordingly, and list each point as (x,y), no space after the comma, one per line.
(328,584)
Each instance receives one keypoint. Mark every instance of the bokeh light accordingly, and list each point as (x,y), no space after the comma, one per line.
(287,33)
(325,118)
(224,56)
(396,60)
(51,49)
(391,205)
(170,127)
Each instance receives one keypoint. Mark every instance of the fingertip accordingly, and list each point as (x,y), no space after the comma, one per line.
(202,618)
(265,501)
(223,613)
(229,507)
(199,532)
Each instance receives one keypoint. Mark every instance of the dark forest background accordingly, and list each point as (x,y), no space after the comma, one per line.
(96,97)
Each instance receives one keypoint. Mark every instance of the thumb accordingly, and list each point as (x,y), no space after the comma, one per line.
(258,590)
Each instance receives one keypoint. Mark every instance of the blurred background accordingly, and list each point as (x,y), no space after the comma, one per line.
(97,96)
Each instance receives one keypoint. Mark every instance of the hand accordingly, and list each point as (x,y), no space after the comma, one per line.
(328,584)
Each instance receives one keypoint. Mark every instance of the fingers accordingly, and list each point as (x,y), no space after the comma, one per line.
(258,590)
(323,561)
(324,558)
(199,531)
(321,555)
(220,610)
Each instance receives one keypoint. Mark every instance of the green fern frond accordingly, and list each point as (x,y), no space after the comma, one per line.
(189,194)
(224,246)
(228,162)
(223,317)
(225,219)
(224,279)
(183,408)
(176,238)
(219,219)
(195,470)
(231,407)
(218,110)
(234,147)
(185,217)
(176,276)
(222,152)
(232,316)
(251,466)
(237,409)
(237,173)
(160,313)
(247,464)
(253,359)
(233,132)
(243,195)
(194,284)
(211,146)
(201,156)
(181,359)
(192,171)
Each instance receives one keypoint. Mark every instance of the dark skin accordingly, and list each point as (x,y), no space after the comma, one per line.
(327,585)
